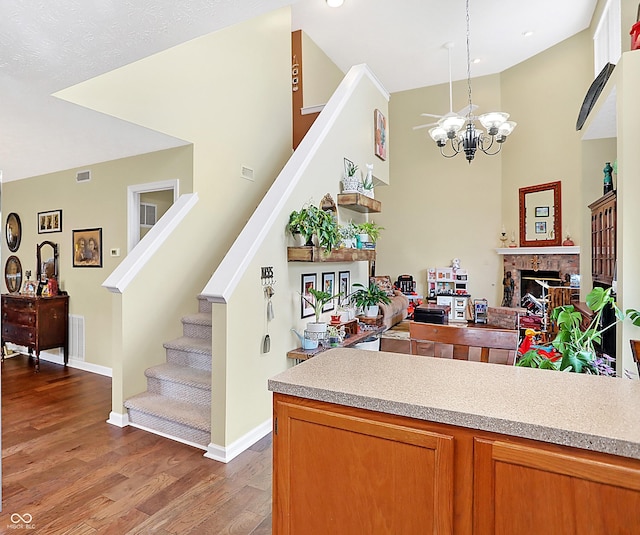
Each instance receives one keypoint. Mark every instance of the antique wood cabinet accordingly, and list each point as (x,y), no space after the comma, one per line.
(344,470)
(603,238)
(36,322)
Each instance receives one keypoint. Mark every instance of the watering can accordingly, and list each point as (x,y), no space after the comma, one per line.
(306,343)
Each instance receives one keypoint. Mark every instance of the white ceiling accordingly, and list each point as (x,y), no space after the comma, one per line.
(48,46)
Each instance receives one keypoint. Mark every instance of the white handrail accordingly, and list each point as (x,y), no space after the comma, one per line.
(149,244)
(236,261)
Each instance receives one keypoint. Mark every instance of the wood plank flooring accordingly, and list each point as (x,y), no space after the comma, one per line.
(66,471)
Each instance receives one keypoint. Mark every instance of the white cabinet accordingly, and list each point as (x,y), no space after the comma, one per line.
(449,286)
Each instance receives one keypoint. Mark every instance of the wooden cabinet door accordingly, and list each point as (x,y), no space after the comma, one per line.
(530,490)
(338,471)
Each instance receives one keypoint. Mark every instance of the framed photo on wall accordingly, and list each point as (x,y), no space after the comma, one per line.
(50,221)
(13,231)
(344,285)
(542,211)
(309,280)
(87,247)
(541,227)
(380,125)
(329,286)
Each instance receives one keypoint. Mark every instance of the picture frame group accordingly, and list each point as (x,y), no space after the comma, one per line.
(328,284)
(50,221)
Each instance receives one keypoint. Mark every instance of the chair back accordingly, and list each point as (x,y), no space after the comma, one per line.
(497,346)
(635,348)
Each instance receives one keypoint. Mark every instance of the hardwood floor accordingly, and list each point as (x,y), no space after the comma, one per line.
(72,473)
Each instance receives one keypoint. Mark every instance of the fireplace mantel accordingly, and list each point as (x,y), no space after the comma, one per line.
(574,249)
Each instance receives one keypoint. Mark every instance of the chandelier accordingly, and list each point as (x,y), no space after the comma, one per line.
(461,131)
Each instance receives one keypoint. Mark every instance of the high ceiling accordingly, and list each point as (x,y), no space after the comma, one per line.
(48,46)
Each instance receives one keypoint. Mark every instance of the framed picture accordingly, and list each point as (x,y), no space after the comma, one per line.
(50,221)
(542,211)
(13,232)
(13,274)
(348,165)
(87,247)
(344,285)
(329,286)
(380,125)
(541,227)
(309,280)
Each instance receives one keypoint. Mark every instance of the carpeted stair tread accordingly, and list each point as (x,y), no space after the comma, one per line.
(200,318)
(185,375)
(188,414)
(195,345)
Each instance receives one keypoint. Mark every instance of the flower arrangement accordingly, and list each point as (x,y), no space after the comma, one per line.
(574,349)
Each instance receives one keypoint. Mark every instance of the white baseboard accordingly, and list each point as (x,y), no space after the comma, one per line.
(165,435)
(73,363)
(117,419)
(226,454)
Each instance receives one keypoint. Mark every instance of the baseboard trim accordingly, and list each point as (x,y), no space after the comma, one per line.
(118,419)
(226,454)
(165,435)
(73,363)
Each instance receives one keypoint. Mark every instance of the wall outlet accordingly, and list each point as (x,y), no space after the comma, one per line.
(115,251)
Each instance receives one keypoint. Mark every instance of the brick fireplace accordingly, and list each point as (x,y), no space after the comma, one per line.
(563,261)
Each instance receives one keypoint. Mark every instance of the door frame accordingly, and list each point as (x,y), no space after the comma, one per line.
(133,205)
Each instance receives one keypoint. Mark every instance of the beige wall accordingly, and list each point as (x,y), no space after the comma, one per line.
(99,203)
(321,75)
(438,209)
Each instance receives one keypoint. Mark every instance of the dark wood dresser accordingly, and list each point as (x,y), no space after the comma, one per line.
(36,322)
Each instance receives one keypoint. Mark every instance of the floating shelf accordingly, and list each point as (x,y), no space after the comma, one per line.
(318,254)
(359,203)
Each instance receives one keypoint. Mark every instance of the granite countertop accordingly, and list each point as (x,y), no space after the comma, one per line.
(583,411)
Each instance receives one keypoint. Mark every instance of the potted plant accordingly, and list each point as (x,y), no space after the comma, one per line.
(574,349)
(350,181)
(369,231)
(320,298)
(312,221)
(367,182)
(368,298)
(348,234)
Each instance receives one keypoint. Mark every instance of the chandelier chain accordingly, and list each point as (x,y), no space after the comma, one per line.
(468,63)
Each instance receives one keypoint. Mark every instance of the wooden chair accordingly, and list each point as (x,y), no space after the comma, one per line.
(463,343)
(635,351)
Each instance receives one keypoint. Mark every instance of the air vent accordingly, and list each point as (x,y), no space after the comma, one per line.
(246,172)
(83,176)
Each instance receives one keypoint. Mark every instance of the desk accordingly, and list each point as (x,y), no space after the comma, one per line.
(349,341)
(36,322)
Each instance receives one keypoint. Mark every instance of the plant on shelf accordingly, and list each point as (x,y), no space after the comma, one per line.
(319,299)
(369,298)
(350,181)
(371,229)
(574,349)
(348,234)
(310,221)
(367,182)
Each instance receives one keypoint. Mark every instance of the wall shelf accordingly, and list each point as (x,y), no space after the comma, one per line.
(359,203)
(318,254)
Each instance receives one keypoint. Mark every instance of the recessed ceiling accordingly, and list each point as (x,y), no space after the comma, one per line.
(48,46)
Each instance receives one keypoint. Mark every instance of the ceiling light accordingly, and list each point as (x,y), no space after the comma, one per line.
(335,3)
(470,139)
(476,61)
(528,33)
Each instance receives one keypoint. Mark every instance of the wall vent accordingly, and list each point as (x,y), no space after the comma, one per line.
(76,337)
(83,176)
(247,173)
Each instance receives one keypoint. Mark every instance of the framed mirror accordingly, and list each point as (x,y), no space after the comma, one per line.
(46,260)
(541,215)
(13,231)
(13,274)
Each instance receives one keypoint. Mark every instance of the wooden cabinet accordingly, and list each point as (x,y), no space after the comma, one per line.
(344,470)
(36,322)
(603,238)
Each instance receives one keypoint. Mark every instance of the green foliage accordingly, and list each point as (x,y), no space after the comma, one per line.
(320,298)
(312,221)
(368,296)
(351,169)
(370,228)
(579,347)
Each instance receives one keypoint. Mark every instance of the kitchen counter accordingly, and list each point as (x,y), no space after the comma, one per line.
(581,411)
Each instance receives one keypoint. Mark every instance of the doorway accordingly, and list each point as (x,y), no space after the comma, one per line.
(146,204)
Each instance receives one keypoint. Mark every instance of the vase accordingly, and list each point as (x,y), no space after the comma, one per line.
(608,180)
(350,184)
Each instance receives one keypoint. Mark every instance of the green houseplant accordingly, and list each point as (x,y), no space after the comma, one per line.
(310,221)
(369,298)
(577,349)
(371,229)
(317,302)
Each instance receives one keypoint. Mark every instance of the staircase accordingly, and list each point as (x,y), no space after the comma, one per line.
(177,402)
